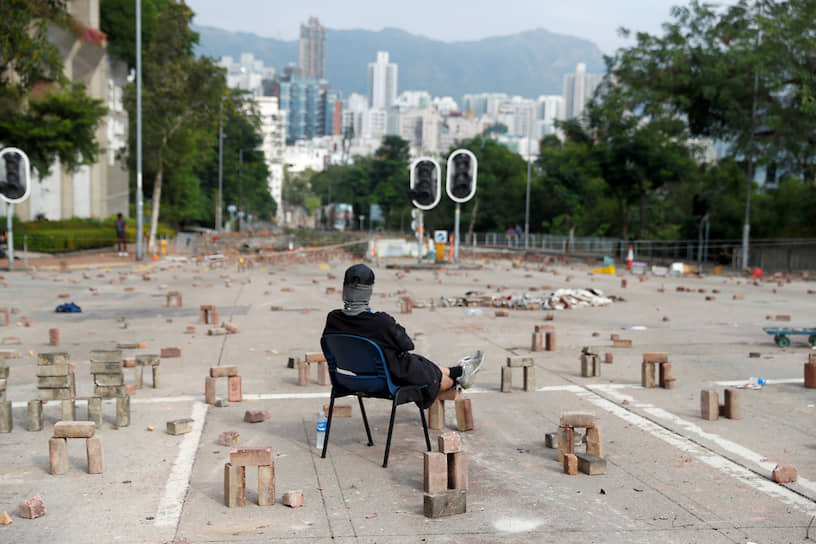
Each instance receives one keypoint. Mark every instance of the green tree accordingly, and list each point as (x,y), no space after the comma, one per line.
(41,111)
(180,103)
(117,19)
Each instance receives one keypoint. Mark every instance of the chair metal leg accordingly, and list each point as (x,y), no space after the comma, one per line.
(390,429)
(424,426)
(365,420)
(328,425)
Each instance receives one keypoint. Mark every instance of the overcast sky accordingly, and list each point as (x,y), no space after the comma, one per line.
(446,20)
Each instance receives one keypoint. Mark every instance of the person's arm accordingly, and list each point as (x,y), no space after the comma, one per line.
(398,335)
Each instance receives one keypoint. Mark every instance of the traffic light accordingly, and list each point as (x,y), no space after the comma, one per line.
(699,206)
(14,175)
(426,183)
(461,179)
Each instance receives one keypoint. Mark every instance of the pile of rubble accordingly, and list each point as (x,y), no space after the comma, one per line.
(560,299)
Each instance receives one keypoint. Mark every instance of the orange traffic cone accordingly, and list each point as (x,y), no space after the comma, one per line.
(630,257)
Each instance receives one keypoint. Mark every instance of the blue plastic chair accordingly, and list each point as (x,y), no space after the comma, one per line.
(357,367)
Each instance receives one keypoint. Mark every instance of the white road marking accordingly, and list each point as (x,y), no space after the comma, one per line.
(171,503)
(714,460)
(732,383)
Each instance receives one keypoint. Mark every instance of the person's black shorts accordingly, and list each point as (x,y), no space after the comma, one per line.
(413,369)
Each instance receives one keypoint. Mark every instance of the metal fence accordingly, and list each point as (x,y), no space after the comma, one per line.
(771,255)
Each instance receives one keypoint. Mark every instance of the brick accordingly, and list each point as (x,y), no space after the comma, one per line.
(59,358)
(549,341)
(223,371)
(180,426)
(339,411)
(54,394)
(266,485)
(738,297)
(435,472)
(109,391)
(783,318)
(464,415)
(292,499)
(647,374)
(229,327)
(303,373)
(258,416)
(109,380)
(234,389)
(591,464)
(436,415)
(156,372)
(570,464)
(323,377)
(123,411)
(96,456)
(252,456)
(784,473)
(53,337)
(58,455)
(457,470)
(454,393)
(34,415)
(6,417)
(577,419)
(209,390)
(670,383)
(590,366)
(190,329)
(733,404)
(68,410)
(4,371)
(656,357)
(450,442)
(53,382)
(167,353)
(314,357)
(537,342)
(506,379)
(666,374)
(565,444)
(594,441)
(127,345)
(101,356)
(621,343)
(11,341)
(810,375)
(106,368)
(709,404)
(502,313)
(551,440)
(32,508)
(74,429)
(229,438)
(216,331)
(520,361)
(234,485)
(148,360)
(448,503)
(95,410)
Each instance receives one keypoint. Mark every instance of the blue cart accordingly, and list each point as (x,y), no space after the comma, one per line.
(781,334)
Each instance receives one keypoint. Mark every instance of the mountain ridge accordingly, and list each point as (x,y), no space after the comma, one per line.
(528,63)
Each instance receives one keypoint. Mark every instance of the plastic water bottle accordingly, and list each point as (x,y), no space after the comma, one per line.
(756,382)
(321,429)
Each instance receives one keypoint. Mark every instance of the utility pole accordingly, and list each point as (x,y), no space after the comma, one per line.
(139,188)
(219,225)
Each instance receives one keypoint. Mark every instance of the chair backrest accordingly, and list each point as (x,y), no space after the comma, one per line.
(357,364)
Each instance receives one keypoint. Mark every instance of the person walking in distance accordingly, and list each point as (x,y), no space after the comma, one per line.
(121,238)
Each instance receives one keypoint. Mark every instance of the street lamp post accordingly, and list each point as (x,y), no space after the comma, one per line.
(219,226)
(139,191)
(527,205)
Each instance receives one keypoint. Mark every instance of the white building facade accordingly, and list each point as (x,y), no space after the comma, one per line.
(273,131)
(382,82)
(578,90)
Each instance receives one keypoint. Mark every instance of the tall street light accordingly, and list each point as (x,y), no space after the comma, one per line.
(527,206)
(219,224)
(139,195)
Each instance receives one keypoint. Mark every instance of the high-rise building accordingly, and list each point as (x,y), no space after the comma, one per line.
(273,131)
(550,110)
(382,82)
(312,108)
(313,49)
(578,90)
(247,73)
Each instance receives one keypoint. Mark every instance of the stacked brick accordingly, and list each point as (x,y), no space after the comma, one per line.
(711,409)
(507,373)
(6,420)
(591,462)
(810,371)
(109,382)
(590,362)
(208,314)
(235,476)
(304,369)
(58,446)
(464,411)
(153,361)
(445,478)
(234,393)
(657,370)
(54,377)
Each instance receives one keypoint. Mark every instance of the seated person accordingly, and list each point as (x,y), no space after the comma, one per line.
(406,368)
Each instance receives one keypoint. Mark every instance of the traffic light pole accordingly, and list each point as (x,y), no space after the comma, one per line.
(420,230)
(456,233)
(9,236)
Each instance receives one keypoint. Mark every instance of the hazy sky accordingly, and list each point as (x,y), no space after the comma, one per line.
(446,20)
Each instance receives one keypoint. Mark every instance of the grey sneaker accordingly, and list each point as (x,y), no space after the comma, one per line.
(470,366)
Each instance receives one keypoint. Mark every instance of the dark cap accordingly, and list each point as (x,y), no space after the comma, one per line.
(359,274)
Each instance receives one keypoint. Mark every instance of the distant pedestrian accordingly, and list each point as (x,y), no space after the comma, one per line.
(3,244)
(519,232)
(121,237)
